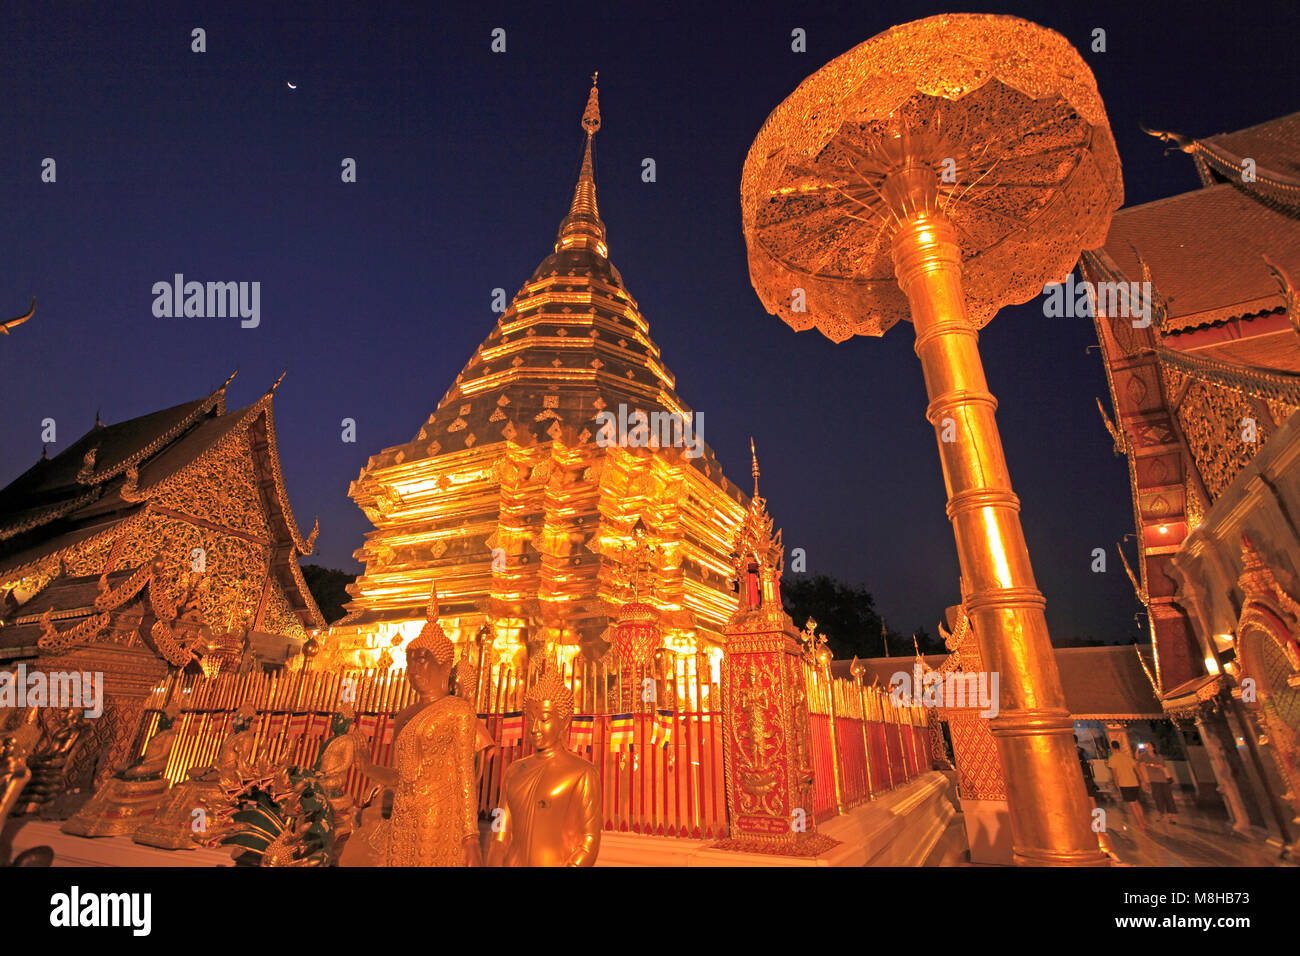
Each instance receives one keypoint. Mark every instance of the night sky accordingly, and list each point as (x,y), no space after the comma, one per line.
(374,294)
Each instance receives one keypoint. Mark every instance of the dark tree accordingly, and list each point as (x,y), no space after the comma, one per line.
(1080,641)
(328,587)
(847,615)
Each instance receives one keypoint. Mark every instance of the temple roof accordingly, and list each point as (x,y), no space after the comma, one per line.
(105,478)
(1100,683)
(1205,252)
(52,487)
(1274,145)
(71,598)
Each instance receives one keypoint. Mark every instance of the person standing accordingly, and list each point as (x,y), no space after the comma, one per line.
(1160,780)
(1124,769)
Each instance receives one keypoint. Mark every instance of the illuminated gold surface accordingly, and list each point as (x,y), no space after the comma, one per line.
(505,499)
(130,797)
(1035,173)
(435,813)
(843,197)
(550,813)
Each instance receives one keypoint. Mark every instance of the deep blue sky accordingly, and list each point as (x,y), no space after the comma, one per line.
(375,294)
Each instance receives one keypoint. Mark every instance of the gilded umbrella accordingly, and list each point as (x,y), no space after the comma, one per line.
(935,173)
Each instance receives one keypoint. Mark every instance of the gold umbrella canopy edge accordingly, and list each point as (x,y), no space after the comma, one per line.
(947,57)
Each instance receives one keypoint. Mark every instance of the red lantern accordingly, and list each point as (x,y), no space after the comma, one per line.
(636,633)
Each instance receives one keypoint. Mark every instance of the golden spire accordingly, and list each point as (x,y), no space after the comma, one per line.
(582,228)
(754,469)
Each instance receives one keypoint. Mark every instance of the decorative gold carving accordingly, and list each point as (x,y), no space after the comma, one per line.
(1212,421)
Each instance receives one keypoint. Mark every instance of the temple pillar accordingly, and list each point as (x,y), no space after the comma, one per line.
(1227,784)
(767,758)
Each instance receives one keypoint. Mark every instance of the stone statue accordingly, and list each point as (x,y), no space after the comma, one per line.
(552,813)
(130,797)
(435,804)
(344,748)
(185,819)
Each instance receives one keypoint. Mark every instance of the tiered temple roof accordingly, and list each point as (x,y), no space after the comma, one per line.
(1221,352)
(505,499)
(154,488)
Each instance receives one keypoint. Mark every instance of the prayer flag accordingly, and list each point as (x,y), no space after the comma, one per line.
(621,732)
(582,732)
(512,729)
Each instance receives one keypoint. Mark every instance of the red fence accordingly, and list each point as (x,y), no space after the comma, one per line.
(874,746)
(655,734)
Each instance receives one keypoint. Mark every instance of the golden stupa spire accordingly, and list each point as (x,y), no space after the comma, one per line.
(582,227)
(753,454)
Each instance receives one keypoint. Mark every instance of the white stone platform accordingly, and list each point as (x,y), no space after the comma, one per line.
(909,826)
(904,827)
(105,851)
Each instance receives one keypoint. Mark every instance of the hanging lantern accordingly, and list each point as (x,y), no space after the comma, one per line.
(637,633)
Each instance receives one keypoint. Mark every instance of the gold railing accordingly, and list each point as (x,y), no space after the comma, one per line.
(863,744)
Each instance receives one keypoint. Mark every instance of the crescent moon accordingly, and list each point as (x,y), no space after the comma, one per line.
(292,86)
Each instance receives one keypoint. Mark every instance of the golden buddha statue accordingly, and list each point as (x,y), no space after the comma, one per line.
(435,803)
(182,822)
(552,813)
(130,797)
(15,747)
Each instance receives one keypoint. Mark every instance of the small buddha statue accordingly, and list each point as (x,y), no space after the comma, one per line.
(552,814)
(337,756)
(435,803)
(131,795)
(183,821)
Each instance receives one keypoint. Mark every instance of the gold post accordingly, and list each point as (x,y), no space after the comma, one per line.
(1049,807)
(835,747)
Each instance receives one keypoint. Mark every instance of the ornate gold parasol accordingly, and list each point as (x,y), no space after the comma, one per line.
(937,172)
(991,121)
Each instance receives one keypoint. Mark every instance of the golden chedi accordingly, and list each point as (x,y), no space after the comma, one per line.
(518,490)
(182,821)
(435,801)
(133,793)
(552,813)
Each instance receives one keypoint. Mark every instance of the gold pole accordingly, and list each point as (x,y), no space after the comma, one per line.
(1049,807)
(835,746)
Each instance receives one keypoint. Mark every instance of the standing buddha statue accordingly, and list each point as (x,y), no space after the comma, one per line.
(552,811)
(435,802)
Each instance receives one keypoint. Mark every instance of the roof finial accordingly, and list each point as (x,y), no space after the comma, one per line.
(591,115)
(99,422)
(14,323)
(582,228)
(754,470)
